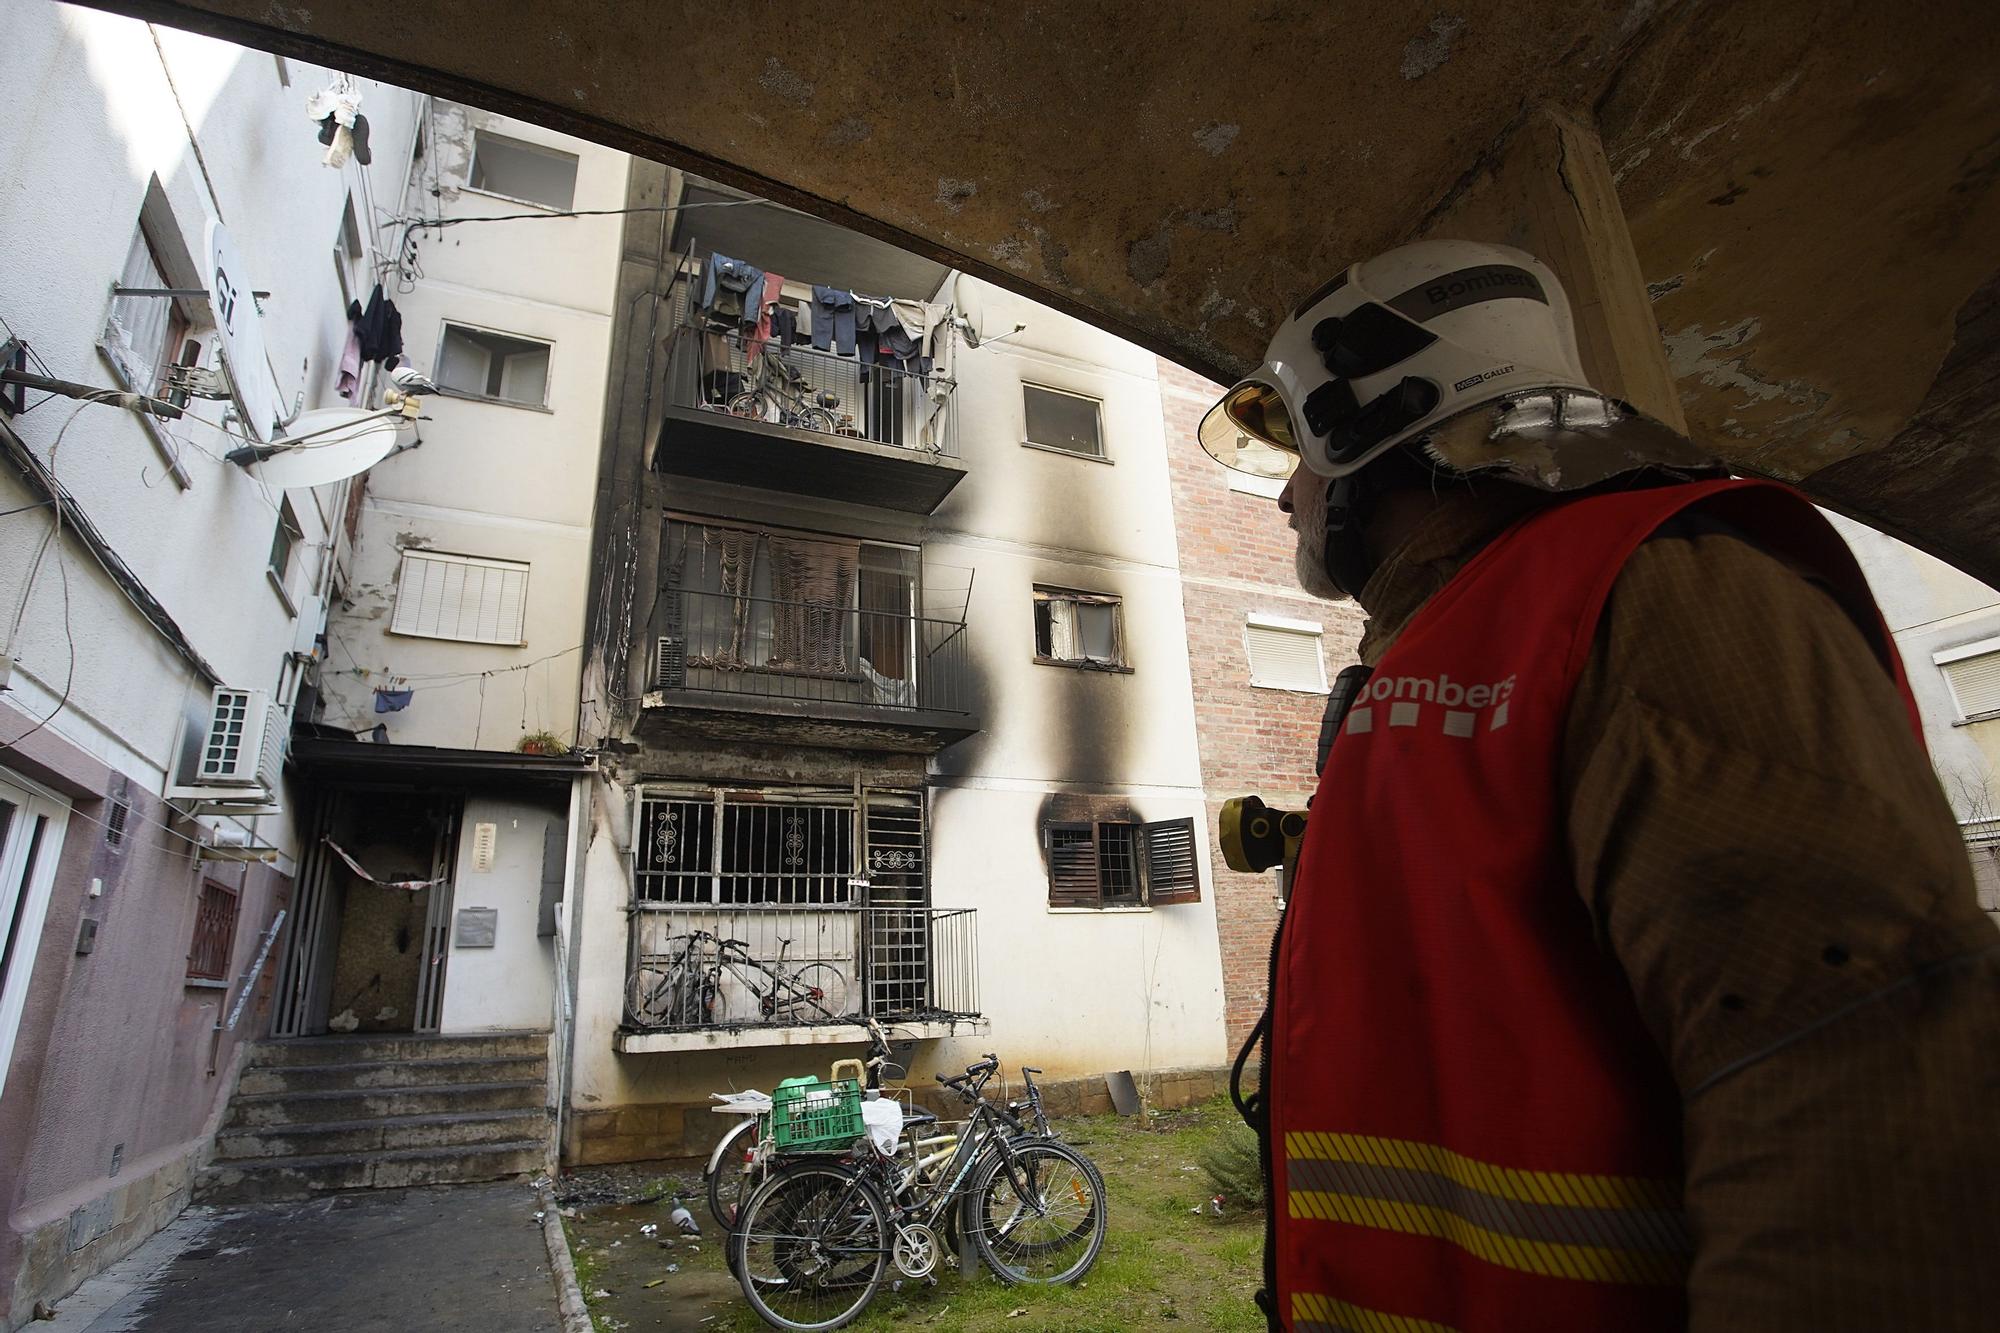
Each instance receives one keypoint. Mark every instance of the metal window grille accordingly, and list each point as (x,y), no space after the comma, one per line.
(114,824)
(742,848)
(214,933)
(1118,862)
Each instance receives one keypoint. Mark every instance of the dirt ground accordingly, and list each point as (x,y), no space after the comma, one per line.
(1166,1259)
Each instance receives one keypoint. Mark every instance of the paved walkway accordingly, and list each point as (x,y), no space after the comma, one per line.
(456,1259)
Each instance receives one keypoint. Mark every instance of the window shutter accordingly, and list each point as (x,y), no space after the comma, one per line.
(1072,865)
(1975,684)
(461,597)
(1173,868)
(1282,658)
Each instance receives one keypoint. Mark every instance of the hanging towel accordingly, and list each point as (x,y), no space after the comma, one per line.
(348,383)
(774,291)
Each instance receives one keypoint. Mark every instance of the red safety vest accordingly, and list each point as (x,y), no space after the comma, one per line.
(1471,1130)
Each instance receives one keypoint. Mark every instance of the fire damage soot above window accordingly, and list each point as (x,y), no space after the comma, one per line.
(1114,863)
(1081,629)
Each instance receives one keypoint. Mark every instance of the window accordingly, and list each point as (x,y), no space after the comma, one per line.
(525,171)
(32,823)
(214,933)
(143,334)
(284,539)
(779,847)
(1080,629)
(1973,672)
(736,600)
(348,252)
(1249,483)
(1066,421)
(497,366)
(1285,654)
(1122,864)
(463,597)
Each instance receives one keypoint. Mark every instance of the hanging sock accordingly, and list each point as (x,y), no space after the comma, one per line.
(360,133)
(343,147)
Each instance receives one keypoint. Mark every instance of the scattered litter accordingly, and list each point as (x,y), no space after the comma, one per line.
(538,1216)
(616,1243)
(673,1268)
(649,1228)
(567,1212)
(1017,1312)
(694,1249)
(599,1294)
(1215,1206)
(654,1283)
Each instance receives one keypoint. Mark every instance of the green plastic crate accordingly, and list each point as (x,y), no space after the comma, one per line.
(811,1115)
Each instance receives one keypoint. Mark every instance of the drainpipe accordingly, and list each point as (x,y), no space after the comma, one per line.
(582,823)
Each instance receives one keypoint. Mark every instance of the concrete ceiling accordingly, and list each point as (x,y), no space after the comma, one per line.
(1813,188)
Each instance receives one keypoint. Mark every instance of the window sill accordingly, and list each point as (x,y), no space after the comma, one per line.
(1108,668)
(1320,690)
(1066,453)
(284,594)
(464,397)
(203,983)
(517,199)
(1123,909)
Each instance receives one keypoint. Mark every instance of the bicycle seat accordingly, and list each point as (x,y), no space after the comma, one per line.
(915,1117)
(737,943)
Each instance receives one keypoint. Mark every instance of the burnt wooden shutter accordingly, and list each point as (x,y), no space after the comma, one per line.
(1172,862)
(1072,865)
(670,656)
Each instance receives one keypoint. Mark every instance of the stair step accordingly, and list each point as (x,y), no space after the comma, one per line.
(391,1074)
(271,1109)
(387,1134)
(322,1173)
(366,1047)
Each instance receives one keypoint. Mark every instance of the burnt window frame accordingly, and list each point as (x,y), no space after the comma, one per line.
(1163,869)
(1121,662)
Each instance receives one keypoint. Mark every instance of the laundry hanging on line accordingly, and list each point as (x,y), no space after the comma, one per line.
(392,701)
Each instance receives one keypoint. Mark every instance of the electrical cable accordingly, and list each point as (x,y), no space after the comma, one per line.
(62,567)
(440,223)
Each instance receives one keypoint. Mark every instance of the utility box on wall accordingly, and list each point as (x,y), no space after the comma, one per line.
(475,928)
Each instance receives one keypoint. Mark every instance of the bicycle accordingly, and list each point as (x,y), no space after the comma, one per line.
(778,388)
(815,1240)
(682,989)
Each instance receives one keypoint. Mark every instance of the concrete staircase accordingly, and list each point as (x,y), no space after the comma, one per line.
(319,1114)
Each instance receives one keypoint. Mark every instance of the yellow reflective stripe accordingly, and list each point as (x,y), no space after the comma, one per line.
(1549,1187)
(1312,1308)
(1586,1262)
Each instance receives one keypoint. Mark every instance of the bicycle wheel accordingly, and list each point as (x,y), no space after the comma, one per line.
(649,995)
(819,990)
(812,1247)
(730,1181)
(750,403)
(817,418)
(1044,1220)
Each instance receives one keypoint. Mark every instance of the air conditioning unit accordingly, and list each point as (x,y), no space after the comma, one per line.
(235,755)
(670,663)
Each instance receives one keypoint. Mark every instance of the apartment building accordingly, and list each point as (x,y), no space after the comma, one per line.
(888,675)
(160,606)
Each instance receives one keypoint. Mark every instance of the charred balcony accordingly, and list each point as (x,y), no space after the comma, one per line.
(804,672)
(785,416)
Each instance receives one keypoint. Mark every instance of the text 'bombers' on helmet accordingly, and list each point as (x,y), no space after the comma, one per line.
(1391,347)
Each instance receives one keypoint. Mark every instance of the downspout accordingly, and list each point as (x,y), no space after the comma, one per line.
(582,824)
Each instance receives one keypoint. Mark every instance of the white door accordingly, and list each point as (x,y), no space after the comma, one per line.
(32,822)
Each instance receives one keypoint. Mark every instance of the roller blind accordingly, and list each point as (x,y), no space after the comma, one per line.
(1283,658)
(1975,683)
(461,597)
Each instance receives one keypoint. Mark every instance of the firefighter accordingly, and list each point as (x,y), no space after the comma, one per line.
(1632,976)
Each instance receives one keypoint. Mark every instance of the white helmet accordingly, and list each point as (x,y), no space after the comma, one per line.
(1391,348)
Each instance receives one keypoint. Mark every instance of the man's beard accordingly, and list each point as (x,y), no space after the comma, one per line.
(1309,521)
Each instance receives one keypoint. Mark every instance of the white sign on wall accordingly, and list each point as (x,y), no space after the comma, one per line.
(240,334)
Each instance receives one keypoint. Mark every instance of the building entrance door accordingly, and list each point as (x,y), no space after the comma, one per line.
(32,822)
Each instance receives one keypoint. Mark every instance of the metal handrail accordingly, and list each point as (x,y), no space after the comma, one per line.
(249,981)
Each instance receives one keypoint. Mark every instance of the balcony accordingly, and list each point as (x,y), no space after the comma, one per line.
(804,673)
(808,422)
(714,977)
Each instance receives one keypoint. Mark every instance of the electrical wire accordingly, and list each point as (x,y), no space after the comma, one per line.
(440,223)
(62,568)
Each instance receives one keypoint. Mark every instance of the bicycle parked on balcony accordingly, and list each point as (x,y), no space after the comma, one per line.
(779,392)
(682,987)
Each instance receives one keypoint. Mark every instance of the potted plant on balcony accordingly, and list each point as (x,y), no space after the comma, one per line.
(542,742)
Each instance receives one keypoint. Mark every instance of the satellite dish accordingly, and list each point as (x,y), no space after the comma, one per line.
(240,332)
(332,443)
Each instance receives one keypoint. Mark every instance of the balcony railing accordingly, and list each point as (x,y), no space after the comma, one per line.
(838,397)
(802,650)
(694,968)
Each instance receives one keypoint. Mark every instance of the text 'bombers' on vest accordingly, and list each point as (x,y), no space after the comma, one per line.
(1440,690)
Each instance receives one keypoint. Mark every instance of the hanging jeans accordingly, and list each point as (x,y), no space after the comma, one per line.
(833,320)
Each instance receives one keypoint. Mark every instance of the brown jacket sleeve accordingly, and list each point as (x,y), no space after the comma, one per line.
(1765,851)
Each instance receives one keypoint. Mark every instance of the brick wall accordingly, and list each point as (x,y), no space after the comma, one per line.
(1236,554)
